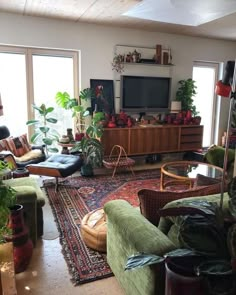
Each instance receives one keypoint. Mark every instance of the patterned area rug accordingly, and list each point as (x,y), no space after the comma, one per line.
(75,198)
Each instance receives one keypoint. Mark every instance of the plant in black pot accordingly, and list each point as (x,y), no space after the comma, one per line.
(199,228)
(91,151)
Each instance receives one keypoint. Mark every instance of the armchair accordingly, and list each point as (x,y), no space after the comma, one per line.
(19,147)
(215,156)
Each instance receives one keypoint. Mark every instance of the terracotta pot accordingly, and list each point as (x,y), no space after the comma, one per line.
(22,245)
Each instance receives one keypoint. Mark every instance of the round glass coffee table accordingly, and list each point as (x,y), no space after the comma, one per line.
(184,172)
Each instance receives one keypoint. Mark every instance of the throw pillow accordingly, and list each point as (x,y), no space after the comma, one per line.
(18,145)
(33,154)
(3,145)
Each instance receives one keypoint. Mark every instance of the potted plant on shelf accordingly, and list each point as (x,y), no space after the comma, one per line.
(118,63)
(43,132)
(185,94)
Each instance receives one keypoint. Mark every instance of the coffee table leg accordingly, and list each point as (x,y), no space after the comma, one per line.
(162,181)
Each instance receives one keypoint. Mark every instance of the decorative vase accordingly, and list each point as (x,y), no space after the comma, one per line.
(129,123)
(20,172)
(70,134)
(189,115)
(19,236)
(64,139)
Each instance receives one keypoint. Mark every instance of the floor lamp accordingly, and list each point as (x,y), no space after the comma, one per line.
(226,88)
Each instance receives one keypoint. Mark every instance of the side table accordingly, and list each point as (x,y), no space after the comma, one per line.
(186,171)
(65,147)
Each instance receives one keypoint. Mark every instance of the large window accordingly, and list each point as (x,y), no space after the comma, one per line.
(34,76)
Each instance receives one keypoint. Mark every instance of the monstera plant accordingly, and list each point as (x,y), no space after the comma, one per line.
(79,111)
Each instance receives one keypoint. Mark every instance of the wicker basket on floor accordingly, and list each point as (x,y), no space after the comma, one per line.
(117,159)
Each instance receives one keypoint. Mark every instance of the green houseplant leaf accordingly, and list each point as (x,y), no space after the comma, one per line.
(185,93)
(43,132)
(145,259)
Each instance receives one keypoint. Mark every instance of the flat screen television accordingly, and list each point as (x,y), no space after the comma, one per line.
(145,94)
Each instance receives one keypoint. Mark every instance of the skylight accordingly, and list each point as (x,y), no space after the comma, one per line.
(182,12)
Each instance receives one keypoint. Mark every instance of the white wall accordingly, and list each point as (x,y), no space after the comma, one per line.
(97,45)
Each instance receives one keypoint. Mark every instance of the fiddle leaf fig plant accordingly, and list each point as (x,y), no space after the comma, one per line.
(44,133)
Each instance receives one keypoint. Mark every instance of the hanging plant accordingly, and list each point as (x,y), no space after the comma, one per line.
(118,63)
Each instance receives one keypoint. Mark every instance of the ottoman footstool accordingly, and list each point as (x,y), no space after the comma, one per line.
(94,230)
(57,165)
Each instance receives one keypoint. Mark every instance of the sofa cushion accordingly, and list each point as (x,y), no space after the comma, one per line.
(18,145)
(33,154)
(28,181)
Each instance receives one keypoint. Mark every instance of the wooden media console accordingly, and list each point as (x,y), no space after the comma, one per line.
(154,139)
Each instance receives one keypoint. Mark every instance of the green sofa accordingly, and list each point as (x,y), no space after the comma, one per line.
(129,232)
(29,194)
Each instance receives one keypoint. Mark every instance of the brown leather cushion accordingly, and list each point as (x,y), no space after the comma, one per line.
(94,230)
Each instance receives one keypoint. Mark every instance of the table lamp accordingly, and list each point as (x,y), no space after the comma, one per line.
(226,88)
(175,106)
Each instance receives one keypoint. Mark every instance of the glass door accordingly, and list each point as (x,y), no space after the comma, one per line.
(205,74)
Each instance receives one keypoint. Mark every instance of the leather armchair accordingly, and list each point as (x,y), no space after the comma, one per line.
(22,152)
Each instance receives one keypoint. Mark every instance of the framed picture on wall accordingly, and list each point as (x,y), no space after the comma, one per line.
(104,95)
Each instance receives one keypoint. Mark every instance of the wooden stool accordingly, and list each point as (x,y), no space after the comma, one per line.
(94,230)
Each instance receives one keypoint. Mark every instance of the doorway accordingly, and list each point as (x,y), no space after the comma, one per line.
(206,74)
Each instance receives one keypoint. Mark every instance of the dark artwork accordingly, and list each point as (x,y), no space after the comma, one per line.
(104,95)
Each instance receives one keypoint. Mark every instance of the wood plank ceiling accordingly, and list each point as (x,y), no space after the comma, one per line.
(109,12)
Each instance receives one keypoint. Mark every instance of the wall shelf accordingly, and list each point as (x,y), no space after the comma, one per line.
(146,64)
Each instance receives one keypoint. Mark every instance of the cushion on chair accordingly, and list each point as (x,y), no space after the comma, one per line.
(3,145)
(33,154)
(18,145)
